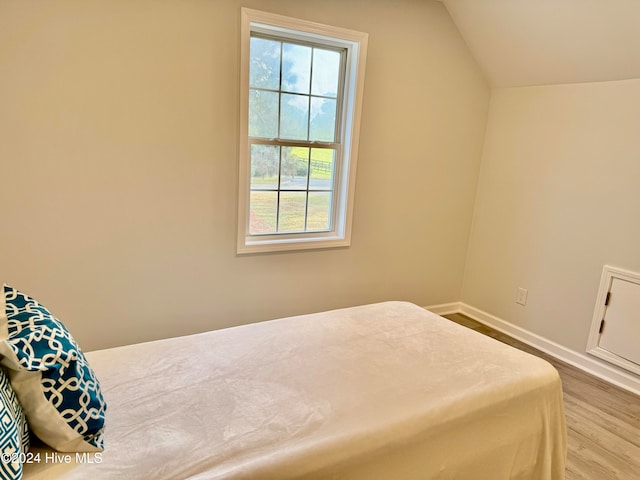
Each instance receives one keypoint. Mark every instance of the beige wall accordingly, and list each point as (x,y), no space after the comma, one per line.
(118,160)
(557,199)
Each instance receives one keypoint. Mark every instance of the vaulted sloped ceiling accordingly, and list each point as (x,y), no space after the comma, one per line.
(540,42)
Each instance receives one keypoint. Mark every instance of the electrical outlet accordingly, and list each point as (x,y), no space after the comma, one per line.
(521,296)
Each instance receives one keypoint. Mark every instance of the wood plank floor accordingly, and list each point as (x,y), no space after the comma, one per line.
(603,421)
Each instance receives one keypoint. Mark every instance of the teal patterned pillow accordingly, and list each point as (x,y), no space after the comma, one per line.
(58,391)
(14,434)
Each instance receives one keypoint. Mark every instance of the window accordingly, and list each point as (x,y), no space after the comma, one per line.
(301,91)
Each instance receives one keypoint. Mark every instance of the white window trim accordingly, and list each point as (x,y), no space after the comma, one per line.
(356,44)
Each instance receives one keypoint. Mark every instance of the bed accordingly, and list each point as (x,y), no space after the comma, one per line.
(382,391)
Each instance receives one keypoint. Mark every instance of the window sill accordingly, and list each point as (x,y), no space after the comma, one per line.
(253,245)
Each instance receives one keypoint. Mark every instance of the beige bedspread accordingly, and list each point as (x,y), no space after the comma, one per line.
(383,391)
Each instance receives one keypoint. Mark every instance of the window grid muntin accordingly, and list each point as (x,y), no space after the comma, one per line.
(335,173)
(341,80)
(309,144)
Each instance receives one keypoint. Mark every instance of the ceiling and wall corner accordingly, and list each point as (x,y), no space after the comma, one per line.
(545,42)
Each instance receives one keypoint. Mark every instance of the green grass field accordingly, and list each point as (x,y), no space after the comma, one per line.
(264,204)
(292,209)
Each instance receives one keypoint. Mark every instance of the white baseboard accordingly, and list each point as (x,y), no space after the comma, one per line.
(445,308)
(583,362)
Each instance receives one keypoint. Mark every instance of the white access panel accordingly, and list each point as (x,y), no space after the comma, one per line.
(621,331)
(615,330)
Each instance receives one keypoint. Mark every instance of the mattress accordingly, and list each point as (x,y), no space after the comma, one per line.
(380,391)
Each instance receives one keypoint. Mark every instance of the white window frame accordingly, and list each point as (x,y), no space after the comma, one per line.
(355,44)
